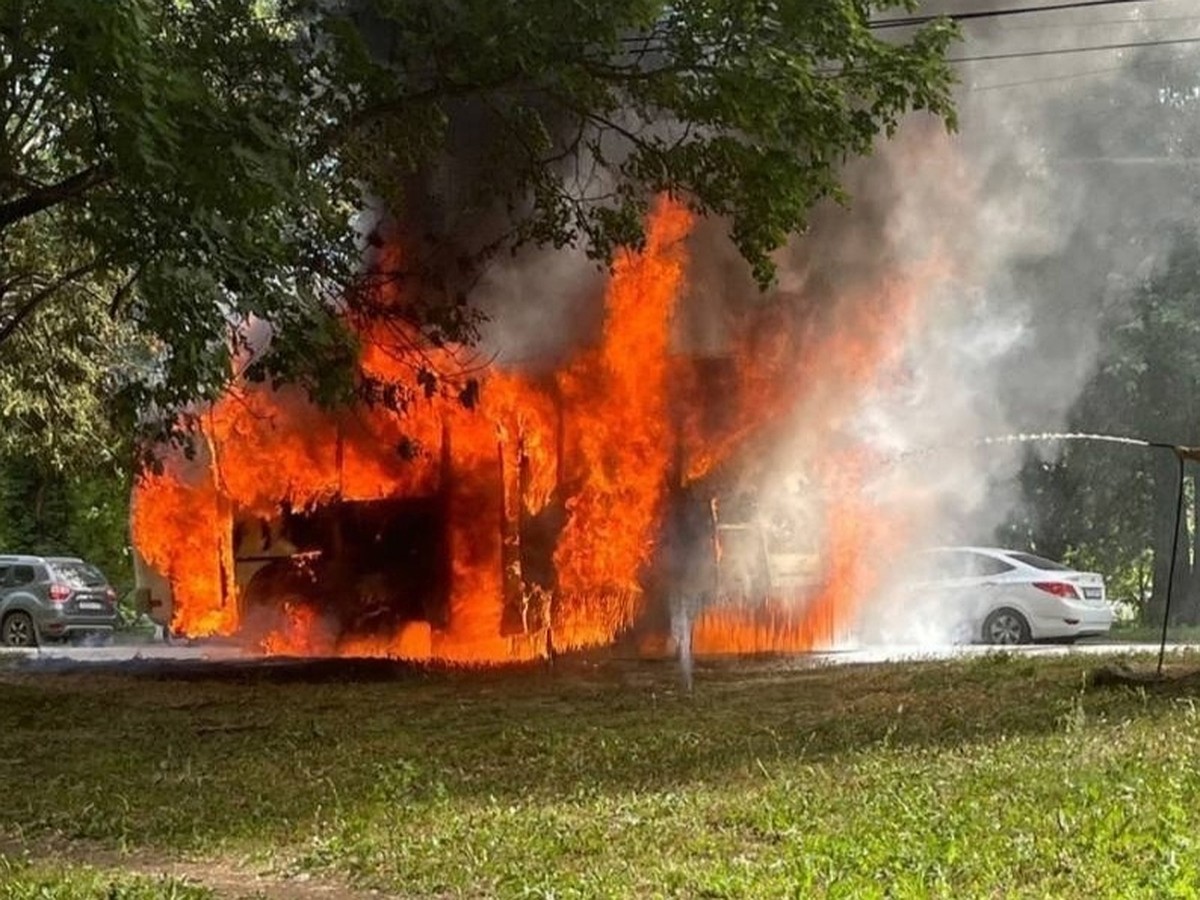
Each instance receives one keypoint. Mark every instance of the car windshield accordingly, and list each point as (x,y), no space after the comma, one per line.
(78,574)
(1039,562)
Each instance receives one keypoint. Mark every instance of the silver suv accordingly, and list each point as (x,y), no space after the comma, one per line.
(47,597)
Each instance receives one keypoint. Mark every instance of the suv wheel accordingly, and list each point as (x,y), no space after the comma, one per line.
(18,631)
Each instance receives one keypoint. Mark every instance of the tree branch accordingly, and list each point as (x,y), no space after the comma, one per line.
(51,195)
(21,117)
(123,291)
(32,303)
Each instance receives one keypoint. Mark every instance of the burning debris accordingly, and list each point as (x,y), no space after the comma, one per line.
(568,509)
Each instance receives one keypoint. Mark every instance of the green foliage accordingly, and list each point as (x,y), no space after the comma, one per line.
(160,158)
(581,112)
(85,513)
(62,374)
(1129,576)
(177,181)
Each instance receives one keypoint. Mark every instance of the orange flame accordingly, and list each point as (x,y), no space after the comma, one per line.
(182,529)
(300,635)
(855,537)
(617,415)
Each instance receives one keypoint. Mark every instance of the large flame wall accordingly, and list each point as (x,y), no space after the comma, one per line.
(622,417)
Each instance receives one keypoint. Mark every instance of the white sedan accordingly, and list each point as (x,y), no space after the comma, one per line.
(1009,597)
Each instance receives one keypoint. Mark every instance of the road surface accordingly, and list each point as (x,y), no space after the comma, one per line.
(60,657)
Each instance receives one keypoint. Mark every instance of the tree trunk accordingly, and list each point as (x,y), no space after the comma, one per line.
(1189,560)
(1165,497)
(1145,583)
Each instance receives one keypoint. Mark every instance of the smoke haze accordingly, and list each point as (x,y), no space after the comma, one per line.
(1058,194)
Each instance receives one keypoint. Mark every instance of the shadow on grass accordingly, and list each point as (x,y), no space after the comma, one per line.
(188,756)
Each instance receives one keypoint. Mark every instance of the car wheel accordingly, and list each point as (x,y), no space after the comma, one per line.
(18,630)
(1006,626)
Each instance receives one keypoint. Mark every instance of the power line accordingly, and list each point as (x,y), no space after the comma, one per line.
(1062,51)
(1047,80)
(909,21)
(1100,23)
(1065,51)
(1087,73)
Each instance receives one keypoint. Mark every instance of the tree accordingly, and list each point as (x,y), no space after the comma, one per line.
(194,168)
(150,177)
(63,370)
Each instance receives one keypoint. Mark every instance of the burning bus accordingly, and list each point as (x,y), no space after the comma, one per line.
(347,572)
(564,509)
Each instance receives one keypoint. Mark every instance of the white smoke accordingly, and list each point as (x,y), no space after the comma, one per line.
(1043,233)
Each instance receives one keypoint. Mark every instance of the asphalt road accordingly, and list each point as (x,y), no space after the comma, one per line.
(59,657)
(957,651)
(122,652)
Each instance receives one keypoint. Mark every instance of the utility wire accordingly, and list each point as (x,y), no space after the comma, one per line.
(1049,79)
(1098,23)
(1087,73)
(909,21)
(1066,51)
(1060,51)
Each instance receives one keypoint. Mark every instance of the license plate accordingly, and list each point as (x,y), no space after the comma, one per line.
(1092,593)
(86,604)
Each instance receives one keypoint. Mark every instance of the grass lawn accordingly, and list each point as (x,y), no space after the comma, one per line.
(997,776)
(21,881)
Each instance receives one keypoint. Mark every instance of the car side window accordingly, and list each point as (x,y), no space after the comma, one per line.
(966,564)
(23,575)
(989,565)
(951,564)
(5,574)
